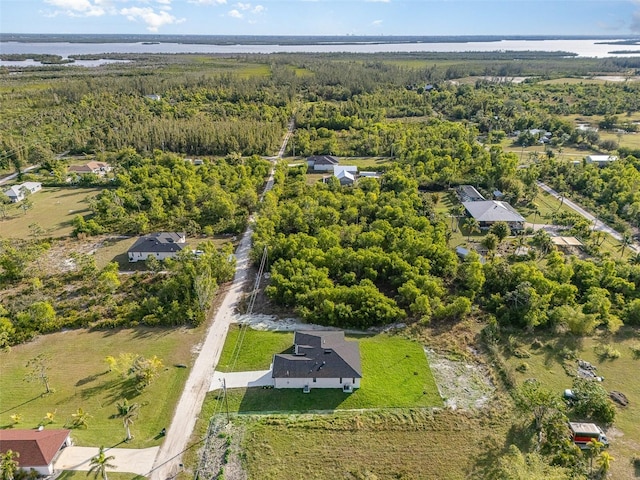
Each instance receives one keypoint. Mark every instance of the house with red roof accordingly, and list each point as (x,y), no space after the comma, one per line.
(37,448)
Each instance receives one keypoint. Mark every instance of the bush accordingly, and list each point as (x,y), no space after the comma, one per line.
(606,352)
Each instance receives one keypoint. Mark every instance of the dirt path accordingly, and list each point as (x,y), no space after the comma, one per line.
(167,463)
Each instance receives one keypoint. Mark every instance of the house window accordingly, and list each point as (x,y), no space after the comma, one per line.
(340,380)
(354,381)
(314,380)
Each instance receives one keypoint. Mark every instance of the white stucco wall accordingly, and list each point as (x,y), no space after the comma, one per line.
(142,256)
(319,383)
(323,168)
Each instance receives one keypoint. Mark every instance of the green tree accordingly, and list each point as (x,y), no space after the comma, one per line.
(80,419)
(500,230)
(108,280)
(516,465)
(539,402)
(99,465)
(592,401)
(604,463)
(128,419)
(472,226)
(26,204)
(490,242)
(8,464)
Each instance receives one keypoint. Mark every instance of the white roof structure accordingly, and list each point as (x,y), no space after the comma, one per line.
(601,158)
(347,168)
(489,211)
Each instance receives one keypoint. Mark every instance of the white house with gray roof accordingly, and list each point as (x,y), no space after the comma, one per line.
(322,163)
(18,193)
(488,212)
(159,245)
(321,359)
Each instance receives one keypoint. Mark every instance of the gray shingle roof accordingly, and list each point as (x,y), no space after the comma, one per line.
(321,354)
(159,243)
(323,160)
(493,211)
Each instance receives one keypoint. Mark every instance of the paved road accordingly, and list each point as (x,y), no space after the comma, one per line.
(257,378)
(130,460)
(8,178)
(597,224)
(167,463)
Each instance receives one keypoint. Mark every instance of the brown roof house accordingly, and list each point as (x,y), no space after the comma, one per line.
(37,448)
(321,359)
(99,168)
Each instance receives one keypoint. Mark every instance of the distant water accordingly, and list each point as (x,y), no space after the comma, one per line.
(583,48)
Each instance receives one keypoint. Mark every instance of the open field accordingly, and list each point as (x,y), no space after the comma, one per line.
(53,209)
(546,365)
(396,374)
(79,375)
(403,444)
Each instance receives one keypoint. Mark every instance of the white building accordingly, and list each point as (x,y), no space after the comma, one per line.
(37,448)
(322,163)
(159,245)
(322,359)
(19,192)
(601,160)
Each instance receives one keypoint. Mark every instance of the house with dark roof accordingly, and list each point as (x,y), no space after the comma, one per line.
(488,212)
(98,168)
(322,163)
(468,193)
(37,448)
(159,245)
(321,359)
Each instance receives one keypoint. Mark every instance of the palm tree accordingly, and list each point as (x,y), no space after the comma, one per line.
(604,462)
(99,465)
(128,418)
(472,225)
(8,464)
(625,241)
(80,419)
(536,213)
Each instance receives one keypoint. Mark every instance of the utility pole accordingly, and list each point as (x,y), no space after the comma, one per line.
(226,400)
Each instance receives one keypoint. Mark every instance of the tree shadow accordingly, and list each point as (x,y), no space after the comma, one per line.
(90,378)
(21,404)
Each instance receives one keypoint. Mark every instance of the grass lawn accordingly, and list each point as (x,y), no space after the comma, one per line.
(395,375)
(53,209)
(406,444)
(620,374)
(78,374)
(258,348)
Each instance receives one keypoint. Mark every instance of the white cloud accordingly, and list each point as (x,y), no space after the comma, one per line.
(243,6)
(376,23)
(78,8)
(235,13)
(208,2)
(258,9)
(154,20)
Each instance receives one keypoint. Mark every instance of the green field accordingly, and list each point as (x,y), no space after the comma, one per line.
(53,209)
(546,365)
(405,444)
(78,374)
(257,349)
(395,375)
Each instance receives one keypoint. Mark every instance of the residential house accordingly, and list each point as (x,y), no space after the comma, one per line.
(37,448)
(98,168)
(601,160)
(488,212)
(19,192)
(159,245)
(346,174)
(322,163)
(321,359)
(467,193)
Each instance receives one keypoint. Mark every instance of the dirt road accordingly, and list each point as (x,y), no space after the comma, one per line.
(167,463)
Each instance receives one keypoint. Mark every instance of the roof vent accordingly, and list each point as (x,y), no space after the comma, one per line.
(327,351)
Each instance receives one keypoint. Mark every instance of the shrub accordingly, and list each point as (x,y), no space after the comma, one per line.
(606,352)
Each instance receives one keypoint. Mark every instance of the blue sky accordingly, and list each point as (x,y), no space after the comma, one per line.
(323,17)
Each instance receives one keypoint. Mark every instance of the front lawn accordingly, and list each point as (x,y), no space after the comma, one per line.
(257,349)
(396,374)
(79,375)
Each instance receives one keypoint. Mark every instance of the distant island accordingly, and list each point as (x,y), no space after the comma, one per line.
(289,39)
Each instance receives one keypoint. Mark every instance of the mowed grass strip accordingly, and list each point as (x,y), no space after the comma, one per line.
(396,374)
(53,209)
(405,444)
(78,374)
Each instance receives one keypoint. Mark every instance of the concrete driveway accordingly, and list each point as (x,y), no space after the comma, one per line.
(130,460)
(258,378)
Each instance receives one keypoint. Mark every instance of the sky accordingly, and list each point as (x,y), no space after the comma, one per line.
(323,17)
